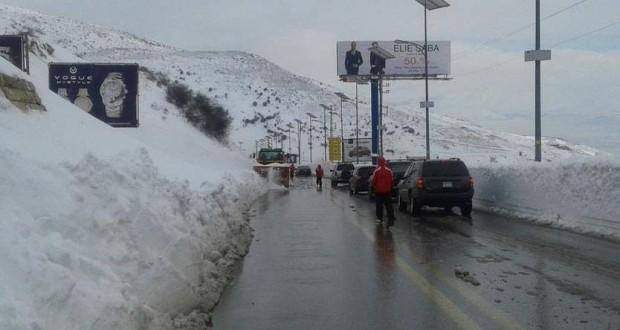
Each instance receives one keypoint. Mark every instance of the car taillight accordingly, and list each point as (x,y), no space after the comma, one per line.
(471,182)
(420,183)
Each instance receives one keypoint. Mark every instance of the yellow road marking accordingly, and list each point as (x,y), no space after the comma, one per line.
(444,302)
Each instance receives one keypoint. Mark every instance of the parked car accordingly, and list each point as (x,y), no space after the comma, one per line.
(359,152)
(303,170)
(341,173)
(437,183)
(398,167)
(359,180)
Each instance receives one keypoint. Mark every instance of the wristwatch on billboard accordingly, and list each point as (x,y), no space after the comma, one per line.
(83,100)
(113,93)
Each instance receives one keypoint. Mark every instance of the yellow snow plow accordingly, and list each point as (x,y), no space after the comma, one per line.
(273,165)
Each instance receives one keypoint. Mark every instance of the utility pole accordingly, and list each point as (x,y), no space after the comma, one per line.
(538,55)
(357,128)
(428,124)
(310,133)
(381,117)
(341,134)
(298,141)
(324,135)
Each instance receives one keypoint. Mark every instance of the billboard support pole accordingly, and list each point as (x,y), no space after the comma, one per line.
(428,139)
(374,114)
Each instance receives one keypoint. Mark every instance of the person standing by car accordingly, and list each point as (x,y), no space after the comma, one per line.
(319,176)
(382,180)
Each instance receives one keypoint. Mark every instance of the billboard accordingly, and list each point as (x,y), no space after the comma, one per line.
(354,150)
(334,150)
(13,49)
(108,92)
(392,59)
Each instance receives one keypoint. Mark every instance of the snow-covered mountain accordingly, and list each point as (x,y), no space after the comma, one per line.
(264,98)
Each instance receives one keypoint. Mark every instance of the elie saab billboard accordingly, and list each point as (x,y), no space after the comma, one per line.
(108,92)
(392,58)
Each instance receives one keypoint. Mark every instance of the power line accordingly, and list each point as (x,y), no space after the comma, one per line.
(518,30)
(501,63)
(587,33)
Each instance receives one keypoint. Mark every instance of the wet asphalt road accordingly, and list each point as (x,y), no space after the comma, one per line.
(320,261)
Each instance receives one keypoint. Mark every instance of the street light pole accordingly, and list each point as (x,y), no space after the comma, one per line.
(341,134)
(428,138)
(357,128)
(324,135)
(428,5)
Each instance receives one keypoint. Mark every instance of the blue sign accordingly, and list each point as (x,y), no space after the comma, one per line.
(13,49)
(109,92)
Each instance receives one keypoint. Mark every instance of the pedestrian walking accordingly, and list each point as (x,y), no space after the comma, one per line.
(319,177)
(382,181)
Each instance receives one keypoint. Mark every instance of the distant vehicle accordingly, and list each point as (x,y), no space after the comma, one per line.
(359,180)
(359,152)
(341,174)
(398,167)
(437,183)
(272,160)
(304,171)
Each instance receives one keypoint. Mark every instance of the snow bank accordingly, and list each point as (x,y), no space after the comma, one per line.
(107,228)
(581,196)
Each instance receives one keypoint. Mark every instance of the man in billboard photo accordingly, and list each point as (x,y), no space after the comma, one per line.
(377,62)
(353,60)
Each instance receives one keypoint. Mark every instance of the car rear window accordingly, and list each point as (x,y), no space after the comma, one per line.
(348,167)
(365,171)
(445,169)
(399,167)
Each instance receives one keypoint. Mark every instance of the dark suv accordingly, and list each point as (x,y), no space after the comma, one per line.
(359,180)
(341,173)
(438,183)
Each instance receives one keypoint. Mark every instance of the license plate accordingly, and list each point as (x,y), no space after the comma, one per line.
(447,184)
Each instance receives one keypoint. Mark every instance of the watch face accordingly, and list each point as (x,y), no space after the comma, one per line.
(113,90)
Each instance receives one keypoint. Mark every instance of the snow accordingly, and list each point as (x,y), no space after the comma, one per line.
(579,196)
(138,228)
(108,228)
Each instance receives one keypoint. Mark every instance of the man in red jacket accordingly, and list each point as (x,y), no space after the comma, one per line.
(319,177)
(382,180)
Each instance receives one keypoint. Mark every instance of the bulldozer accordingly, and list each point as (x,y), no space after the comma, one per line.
(273,164)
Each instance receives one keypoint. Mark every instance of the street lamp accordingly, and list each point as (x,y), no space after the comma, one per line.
(344,98)
(298,141)
(325,108)
(428,5)
(311,116)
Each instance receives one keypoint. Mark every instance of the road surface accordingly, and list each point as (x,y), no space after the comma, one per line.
(320,261)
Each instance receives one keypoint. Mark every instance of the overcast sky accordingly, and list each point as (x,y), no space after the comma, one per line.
(301,36)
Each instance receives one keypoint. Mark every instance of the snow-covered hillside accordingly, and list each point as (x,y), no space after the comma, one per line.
(264,98)
(107,228)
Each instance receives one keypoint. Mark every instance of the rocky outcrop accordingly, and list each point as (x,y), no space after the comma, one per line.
(21,93)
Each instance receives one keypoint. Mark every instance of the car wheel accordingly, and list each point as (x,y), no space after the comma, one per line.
(402,206)
(448,209)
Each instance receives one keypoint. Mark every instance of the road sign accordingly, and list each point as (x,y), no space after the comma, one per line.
(537,55)
(431,104)
(334,150)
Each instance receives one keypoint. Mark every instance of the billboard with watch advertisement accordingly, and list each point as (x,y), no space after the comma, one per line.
(107,91)
(13,49)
